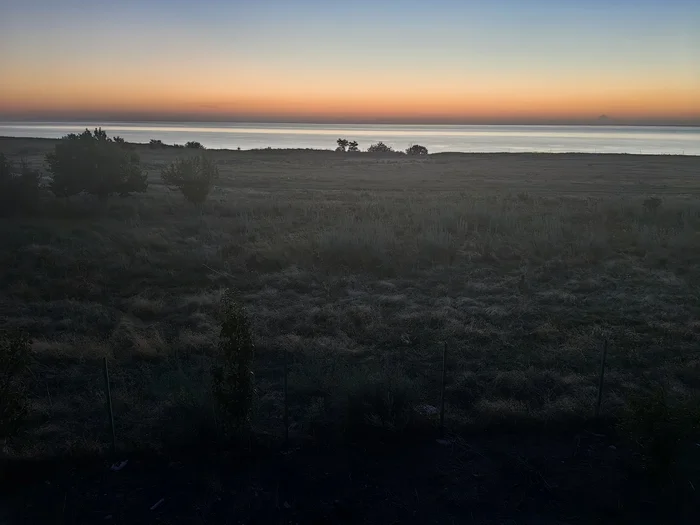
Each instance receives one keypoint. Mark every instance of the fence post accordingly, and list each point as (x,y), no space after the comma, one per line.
(442,390)
(286,404)
(110,412)
(603,357)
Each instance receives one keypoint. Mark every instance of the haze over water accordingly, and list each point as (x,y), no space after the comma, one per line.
(513,139)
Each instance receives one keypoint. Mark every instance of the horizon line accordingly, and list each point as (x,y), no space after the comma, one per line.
(141,118)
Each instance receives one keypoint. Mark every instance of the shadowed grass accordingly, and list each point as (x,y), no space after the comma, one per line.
(360,268)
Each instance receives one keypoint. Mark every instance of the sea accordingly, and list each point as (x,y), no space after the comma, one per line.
(665,140)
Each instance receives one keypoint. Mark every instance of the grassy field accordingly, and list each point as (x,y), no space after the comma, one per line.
(360,267)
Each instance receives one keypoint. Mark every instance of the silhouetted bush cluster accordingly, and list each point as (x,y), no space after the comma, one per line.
(193,177)
(156,144)
(417,149)
(94,164)
(20,187)
(14,402)
(346,145)
(380,147)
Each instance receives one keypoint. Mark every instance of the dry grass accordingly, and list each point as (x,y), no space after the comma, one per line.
(359,267)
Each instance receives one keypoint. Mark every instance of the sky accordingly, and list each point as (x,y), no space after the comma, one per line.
(441,61)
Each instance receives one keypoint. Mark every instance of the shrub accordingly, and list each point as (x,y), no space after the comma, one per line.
(652,204)
(14,361)
(353,146)
(417,149)
(194,145)
(95,164)
(19,188)
(380,147)
(192,176)
(233,385)
(118,140)
(156,144)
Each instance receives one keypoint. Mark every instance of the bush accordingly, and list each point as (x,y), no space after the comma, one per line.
(19,188)
(193,176)
(14,361)
(380,147)
(353,146)
(156,144)
(417,149)
(233,385)
(194,145)
(95,164)
(652,204)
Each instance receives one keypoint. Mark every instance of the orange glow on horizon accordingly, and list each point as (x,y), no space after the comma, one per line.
(342,94)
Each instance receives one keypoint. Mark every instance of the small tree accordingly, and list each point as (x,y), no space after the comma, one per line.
(194,145)
(380,147)
(20,188)
(417,149)
(94,164)
(233,384)
(156,144)
(14,361)
(193,176)
(342,144)
(353,146)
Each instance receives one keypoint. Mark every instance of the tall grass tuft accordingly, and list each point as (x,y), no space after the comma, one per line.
(233,379)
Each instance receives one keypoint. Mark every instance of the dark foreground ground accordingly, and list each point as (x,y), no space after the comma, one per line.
(546,477)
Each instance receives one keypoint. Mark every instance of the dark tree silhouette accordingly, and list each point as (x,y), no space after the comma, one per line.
(352,146)
(342,145)
(95,164)
(380,147)
(417,149)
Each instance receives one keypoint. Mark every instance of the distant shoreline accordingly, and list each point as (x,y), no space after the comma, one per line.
(330,151)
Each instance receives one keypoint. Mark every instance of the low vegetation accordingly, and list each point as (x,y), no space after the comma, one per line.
(417,149)
(193,177)
(380,147)
(94,164)
(233,379)
(359,269)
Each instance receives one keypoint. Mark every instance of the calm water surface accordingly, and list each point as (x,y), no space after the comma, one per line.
(555,139)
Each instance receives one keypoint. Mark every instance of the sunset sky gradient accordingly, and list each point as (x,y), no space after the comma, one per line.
(443,61)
